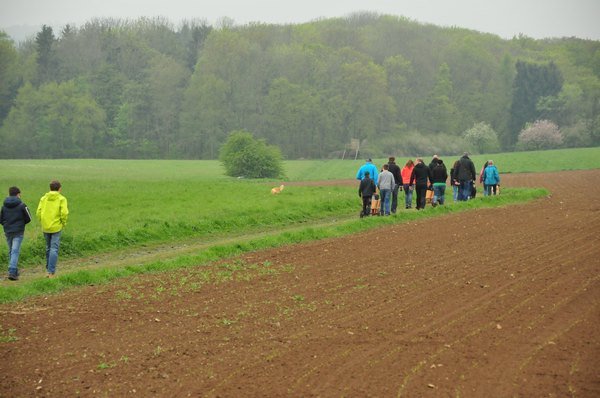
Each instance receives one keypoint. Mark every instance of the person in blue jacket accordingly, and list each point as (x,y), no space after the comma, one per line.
(491,178)
(370,167)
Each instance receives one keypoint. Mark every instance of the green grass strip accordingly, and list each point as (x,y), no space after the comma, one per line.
(84,277)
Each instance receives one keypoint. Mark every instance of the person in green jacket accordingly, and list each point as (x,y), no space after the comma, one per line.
(52,212)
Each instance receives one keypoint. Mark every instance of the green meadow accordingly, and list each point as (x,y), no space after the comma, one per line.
(127,204)
(122,203)
(512,162)
(117,204)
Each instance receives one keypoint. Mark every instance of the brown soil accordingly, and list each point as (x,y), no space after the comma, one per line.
(489,303)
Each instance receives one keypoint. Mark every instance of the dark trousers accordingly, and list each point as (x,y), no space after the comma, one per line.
(366,205)
(489,189)
(395,198)
(421,194)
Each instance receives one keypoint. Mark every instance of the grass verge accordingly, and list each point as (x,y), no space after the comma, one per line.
(219,251)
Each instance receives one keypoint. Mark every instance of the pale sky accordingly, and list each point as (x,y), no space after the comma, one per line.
(506,18)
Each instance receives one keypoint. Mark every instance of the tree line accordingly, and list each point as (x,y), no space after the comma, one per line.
(145,89)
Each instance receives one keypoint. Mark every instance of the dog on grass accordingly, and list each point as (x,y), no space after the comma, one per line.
(277,190)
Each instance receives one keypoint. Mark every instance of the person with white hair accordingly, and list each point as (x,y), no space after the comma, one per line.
(491,178)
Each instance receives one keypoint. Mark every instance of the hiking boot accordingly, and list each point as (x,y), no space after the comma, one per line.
(50,276)
(13,277)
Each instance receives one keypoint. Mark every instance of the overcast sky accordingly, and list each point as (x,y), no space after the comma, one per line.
(506,18)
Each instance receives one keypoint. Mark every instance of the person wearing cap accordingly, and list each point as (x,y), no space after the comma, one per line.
(370,167)
(13,217)
(366,190)
(52,211)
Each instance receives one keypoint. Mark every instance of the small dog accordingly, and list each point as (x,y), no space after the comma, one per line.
(277,190)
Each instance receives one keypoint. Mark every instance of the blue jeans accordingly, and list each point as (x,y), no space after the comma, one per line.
(408,194)
(385,201)
(52,245)
(438,194)
(14,241)
(466,188)
(454,192)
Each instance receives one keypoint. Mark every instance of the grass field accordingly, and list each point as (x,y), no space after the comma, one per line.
(513,162)
(117,204)
(120,203)
(114,204)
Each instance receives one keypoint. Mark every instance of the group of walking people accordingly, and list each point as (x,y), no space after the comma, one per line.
(420,178)
(52,213)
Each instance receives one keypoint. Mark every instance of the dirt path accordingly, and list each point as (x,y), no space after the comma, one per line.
(143,254)
(490,303)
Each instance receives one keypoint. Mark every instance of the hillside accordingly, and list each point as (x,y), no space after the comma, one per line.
(145,89)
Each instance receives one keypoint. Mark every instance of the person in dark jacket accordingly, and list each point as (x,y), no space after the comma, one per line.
(481,178)
(439,175)
(420,175)
(13,217)
(366,190)
(395,170)
(466,177)
(454,180)
(433,162)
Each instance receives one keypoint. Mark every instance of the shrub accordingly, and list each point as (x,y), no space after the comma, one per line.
(481,138)
(577,135)
(244,156)
(542,134)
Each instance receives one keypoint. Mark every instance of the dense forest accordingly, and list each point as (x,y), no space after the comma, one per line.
(146,89)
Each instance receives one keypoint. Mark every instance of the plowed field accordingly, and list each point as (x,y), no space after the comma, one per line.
(489,303)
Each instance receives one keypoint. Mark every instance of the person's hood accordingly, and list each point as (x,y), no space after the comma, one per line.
(12,201)
(419,165)
(440,161)
(52,196)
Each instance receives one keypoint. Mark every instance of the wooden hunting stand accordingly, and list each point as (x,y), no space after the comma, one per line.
(354,146)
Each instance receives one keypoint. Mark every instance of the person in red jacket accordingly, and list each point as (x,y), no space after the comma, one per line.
(405,173)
